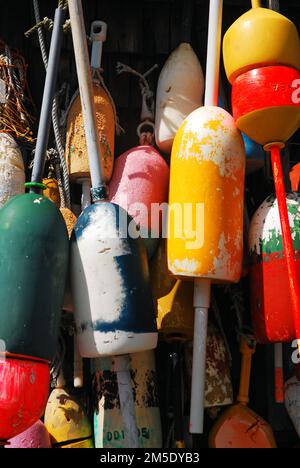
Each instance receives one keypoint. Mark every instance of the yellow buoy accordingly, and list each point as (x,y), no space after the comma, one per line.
(52,190)
(205,236)
(258,38)
(175,310)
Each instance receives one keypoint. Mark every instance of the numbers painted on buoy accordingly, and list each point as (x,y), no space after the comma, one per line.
(143,433)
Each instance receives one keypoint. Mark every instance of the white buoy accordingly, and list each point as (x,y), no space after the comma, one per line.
(12,174)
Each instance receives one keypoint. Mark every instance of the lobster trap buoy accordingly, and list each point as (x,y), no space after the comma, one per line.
(24,384)
(36,437)
(76,147)
(113,307)
(259,38)
(108,424)
(265,111)
(12,173)
(272,320)
(180,86)
(141,177)
(66,419)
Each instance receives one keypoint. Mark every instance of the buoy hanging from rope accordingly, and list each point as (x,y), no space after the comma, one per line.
(180,86)
(141,176)
(76,147)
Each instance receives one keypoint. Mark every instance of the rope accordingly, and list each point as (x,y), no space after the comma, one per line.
(65,196)
(148,105)
(97,76)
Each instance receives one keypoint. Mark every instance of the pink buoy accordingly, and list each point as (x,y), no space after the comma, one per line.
(36,437)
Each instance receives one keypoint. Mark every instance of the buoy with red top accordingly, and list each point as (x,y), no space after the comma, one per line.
(180,86)
(36,437)
(207,190)
(141,176)
(265,71)
(33,264)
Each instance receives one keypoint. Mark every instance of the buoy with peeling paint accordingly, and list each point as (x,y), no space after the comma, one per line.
(114,310)
(66,419)
(207,191)
(141,177)
(33,264)
(180,87)
(76,147)
(272,320)
(108,424)
(36,437)
(12,173)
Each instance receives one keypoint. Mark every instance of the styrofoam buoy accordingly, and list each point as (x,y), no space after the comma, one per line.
(180,86)
(108,424)
(141,178)
(272,320)
(259,38)
(12,173)
(24,387)
(114,310)
(260,110)
(207,188)
(36,437)
(66,419)
(141,181)
(76,147)
(179,92)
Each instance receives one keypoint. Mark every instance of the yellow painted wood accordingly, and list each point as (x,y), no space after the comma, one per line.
(76,149)
(260,37)
(65,419)
(207,189)
(174,299)
(52,191)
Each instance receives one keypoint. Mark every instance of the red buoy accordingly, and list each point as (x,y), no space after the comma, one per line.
(24,388)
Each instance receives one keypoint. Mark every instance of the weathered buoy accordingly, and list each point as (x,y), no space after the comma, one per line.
(180,87)
(207,191)
(36,437)
(24,387)
(114,310)
(76,147)
(141,177)
(239,426)
(66,420)
(259,38)
(108,424)
(272,320)
(12,174)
